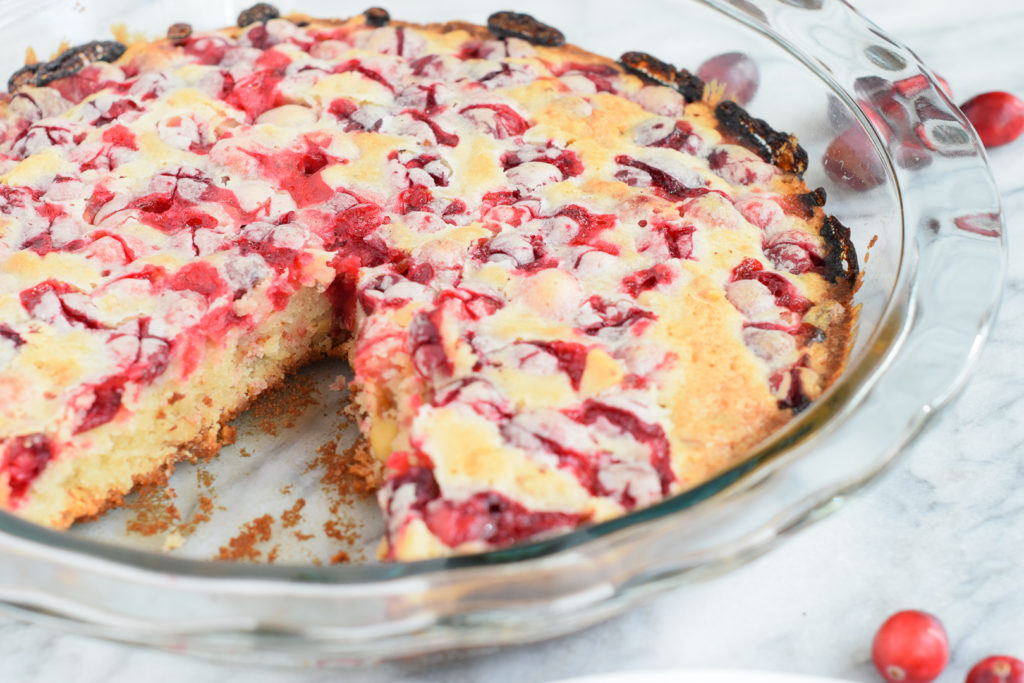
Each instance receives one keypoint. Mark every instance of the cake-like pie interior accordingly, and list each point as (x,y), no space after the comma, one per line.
(566,288)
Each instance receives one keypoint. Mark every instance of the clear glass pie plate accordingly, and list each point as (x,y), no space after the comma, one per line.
(930,239)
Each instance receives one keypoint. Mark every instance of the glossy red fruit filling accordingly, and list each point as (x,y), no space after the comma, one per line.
(997,116)
(649,278)
(784,291)
(851,160)
(105,404)
(25,458)
(426,346)
(475,305)
(796,398)
(502,120)
(590,226)
(297,172)
(910,647)
(47,300)
(152,354)
(651,435)
(601,75)
(735,72)
(584,466)
(372,295)
(565,160)
(997,669)
(571,357)
(614,316)
(420,476)
(416,198)
(8,333)
(678,238)
(491,518)
(356,66)
(672,187)
(199,277)
(257,93)
(440,135)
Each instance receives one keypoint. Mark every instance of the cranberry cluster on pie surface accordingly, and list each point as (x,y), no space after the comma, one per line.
(565,291)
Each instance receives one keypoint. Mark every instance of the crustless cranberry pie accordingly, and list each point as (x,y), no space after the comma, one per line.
(567,286)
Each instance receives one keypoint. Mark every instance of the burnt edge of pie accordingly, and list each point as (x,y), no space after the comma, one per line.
(775,147)
(840,254)
(507,24)
(653,70)
(67,63)
(261,12)
(377,17)
(179,32)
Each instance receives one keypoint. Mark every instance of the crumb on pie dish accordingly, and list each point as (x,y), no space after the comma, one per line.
(567,286)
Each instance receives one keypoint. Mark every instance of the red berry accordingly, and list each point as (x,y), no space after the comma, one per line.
(735,72)
(997,116)
(851,159)
(997,669)
(910,647)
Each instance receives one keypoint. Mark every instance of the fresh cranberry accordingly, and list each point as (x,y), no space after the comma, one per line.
(735,71)
(910,647)
(997,116)
(851,160)
(913,85)
(997,669)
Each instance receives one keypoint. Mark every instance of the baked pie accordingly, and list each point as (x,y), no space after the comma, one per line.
(567,286)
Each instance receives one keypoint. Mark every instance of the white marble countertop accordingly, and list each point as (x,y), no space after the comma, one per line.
(943,530)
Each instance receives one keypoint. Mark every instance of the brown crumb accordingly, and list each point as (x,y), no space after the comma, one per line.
(340,557)
(153,510)
(242,546)
(301,536)
(346,531)
(244,453)
(272,555)
(349,473)
(282,406)
(286,489)
(228,435)
(290,518)
(174,398)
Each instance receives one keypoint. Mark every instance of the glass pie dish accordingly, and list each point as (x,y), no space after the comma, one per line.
(930,239)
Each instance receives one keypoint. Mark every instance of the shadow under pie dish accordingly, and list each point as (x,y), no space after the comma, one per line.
(567,287)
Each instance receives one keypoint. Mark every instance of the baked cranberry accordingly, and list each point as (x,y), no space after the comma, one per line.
(910,647)
(502,121)
(649,278)
(851,160)
(997,669)
(8,333)
(571,357)
(735,72)
(492,518)
(25,458)
(997,116)
(105,405)
(426,346)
